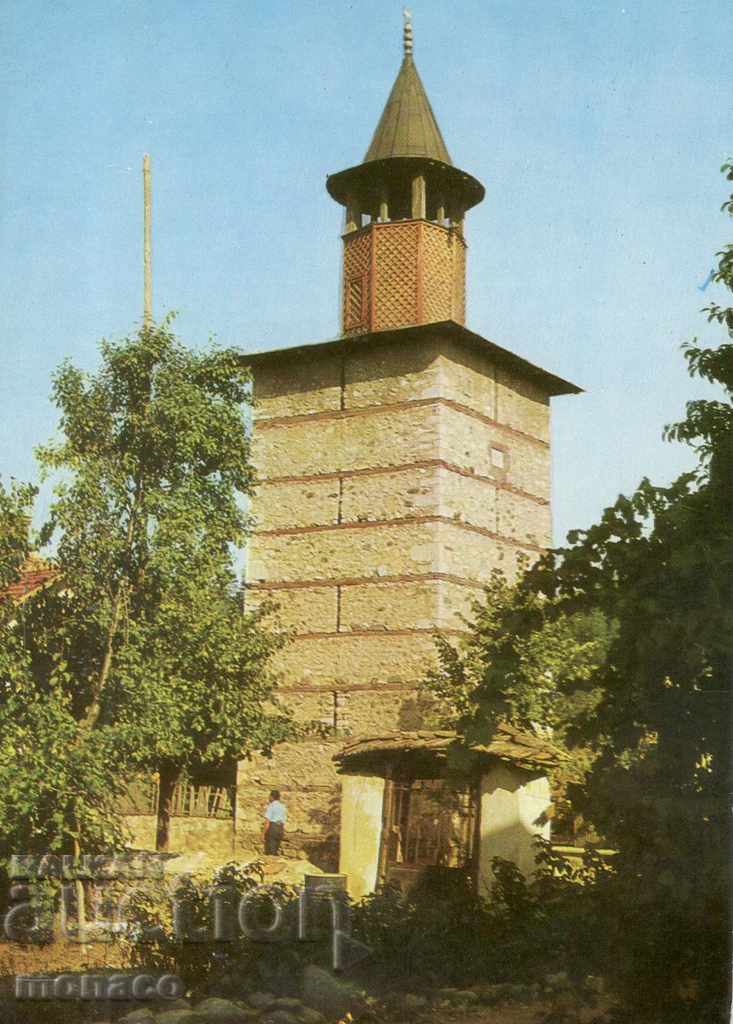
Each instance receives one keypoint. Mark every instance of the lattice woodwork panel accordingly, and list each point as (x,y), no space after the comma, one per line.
(437,263)
(459,280)
(396,275)
(357,263)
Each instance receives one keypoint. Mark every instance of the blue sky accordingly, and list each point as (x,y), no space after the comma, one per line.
(598,129)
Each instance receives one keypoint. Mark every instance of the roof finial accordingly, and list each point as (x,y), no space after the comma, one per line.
(407,31)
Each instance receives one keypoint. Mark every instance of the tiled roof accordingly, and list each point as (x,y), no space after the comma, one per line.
(508,744)
(35,574)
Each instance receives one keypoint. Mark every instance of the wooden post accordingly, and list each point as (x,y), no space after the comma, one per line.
(418,198)
(456,219)
(383,208)
(387,804)
(147,245)
(166,791)
(353,216)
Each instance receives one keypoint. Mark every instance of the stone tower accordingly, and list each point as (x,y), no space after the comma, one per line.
(399,465)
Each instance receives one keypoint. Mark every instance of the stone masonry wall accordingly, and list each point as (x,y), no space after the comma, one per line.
(393,480)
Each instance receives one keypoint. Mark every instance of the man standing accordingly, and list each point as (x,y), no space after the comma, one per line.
(276,815)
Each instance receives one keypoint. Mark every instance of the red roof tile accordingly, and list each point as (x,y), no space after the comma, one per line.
(35,574)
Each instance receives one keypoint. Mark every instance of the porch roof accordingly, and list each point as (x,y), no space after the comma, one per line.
(509,744)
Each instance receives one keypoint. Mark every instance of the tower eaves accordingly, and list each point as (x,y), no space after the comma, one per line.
(407,142)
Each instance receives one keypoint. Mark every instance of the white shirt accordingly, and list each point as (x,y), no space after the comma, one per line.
(276,812)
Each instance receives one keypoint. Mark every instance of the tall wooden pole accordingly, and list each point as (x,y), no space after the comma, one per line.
(147,245)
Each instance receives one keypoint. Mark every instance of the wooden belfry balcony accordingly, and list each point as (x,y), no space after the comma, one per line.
(407,265)
(403,273)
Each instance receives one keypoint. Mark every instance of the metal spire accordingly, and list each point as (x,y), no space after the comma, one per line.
(407,31)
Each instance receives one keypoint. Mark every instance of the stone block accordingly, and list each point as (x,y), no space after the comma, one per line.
(388,374)
(466,442)
(305,610)
(521,404)
(296,503)
(296,384)
(380,436)
(395,605)
(337,660)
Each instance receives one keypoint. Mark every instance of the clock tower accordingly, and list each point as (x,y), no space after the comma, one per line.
(398,466)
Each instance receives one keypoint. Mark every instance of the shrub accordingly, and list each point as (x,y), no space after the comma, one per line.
(446,934)
(195,930)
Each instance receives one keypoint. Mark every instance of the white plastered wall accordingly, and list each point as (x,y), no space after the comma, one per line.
(513,813)
(362,800)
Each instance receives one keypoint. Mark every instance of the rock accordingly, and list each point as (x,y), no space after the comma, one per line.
(222,1011)
(287,1003)
(280,1017)
(290,872)
(466,996)
(520,993)
(557,981)
(490,995)
(333,997)
(143,1016)
(310,1016)
(179,1017)
(261,1000)
(412,1003)
(249,1011)
(563,1005)
(200,864)
(273,865)
(223,986)
(279,968)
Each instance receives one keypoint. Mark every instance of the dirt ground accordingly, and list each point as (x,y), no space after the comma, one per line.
(69,956)
(515,1014)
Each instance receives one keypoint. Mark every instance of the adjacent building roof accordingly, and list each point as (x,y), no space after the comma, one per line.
(521,749)
(550,382)
(35,575)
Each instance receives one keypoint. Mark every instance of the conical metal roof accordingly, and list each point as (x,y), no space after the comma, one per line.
(407,126)
(407,142)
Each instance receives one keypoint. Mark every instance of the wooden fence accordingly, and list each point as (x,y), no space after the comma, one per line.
(190,800)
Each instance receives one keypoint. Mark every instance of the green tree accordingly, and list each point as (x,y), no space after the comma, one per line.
(523,661)
(659,566)
(527,663)
(15,510)
(34,727)
(146,646)
(41,763)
